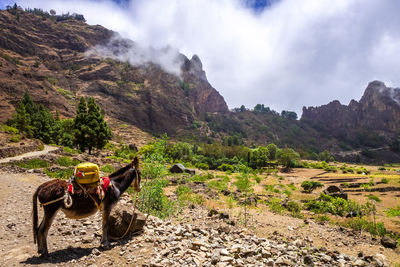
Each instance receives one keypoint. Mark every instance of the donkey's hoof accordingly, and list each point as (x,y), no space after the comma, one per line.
(105,244)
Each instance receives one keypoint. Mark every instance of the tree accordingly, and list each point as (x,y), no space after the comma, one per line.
(291,115)
(242,108)
(287,157)
(80,126)
(272,148)
(97,129)
(259,157)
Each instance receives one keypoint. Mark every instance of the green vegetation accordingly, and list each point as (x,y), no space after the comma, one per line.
(107,168)
(276,206)
(33,164)
(384,181)
(66,161)
(391,212)
(61,174)
(90,129)
(186,196)
(336,206)
(309,186)
(219,184)
(374,198)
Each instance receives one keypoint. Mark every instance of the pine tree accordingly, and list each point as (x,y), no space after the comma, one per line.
(98,131)
(80,126)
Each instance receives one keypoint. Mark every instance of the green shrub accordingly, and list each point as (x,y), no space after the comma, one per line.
(9,129)
(382,168)
(202,166)
(185,196)
(226,167)
(276,206)
(309,186)
(359,224)
(66,161)
(154,201)
(15,138)
(41,147)
(200,178)
(257,179)
(336,206)
(293,206)
(33,164)
(108,168)
(384,181)
(62,174)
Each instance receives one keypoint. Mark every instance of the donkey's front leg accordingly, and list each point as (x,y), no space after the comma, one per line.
(106,215)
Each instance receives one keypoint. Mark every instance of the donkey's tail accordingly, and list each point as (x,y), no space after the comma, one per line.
(35,216)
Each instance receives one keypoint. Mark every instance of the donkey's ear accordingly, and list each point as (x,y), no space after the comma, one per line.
(135,163)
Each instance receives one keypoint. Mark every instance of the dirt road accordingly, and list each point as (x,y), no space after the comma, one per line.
(46,150)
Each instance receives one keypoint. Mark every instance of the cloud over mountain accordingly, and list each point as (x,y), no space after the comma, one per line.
(290,54)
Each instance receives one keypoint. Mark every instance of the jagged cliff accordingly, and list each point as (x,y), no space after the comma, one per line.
(49,60)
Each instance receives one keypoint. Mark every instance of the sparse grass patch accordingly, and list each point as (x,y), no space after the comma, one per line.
(391,212)
(15,138)
(276,206)
(292,187)
(200,178)
(375,198)
(33,164)
(108,168)
(271,188)
(219,184)
(71,150)
(62,174)
(321,218)
(66,161)
(359,224)
(186,196)
(384,181)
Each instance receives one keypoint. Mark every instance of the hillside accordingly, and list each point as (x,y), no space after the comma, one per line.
(58,59)
(47,59)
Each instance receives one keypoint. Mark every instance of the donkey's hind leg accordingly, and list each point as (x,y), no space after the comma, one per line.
(49,215)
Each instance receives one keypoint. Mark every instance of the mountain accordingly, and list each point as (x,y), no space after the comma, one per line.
(58,59)
(47,57)
(373,122)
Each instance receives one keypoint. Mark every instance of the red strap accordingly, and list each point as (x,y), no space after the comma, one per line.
(71,189)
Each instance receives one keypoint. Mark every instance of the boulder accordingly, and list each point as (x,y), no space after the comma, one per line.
(177,168)
(388,242)
(120,218)
(335,191)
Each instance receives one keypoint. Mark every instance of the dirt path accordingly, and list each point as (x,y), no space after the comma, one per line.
(46,150)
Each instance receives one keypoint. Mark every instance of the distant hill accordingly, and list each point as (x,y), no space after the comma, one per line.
(59,59)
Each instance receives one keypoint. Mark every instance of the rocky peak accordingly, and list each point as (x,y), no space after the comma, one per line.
(377,92)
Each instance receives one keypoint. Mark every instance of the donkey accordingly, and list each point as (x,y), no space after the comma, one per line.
(82,206)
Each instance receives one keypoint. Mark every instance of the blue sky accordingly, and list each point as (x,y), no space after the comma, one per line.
(284,54)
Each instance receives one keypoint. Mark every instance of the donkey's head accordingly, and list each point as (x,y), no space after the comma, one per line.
(136,180)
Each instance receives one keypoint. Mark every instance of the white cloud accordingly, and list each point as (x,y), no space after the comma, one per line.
(292,54)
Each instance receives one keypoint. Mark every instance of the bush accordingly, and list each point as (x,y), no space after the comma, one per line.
(226,167)
(382,168)
(15,138)
(154,201)
(293,206)
(384,181)
(336,206)
(202,166)
(33,164)
(9,129)
(41,147)
(359,224)
(309,186)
